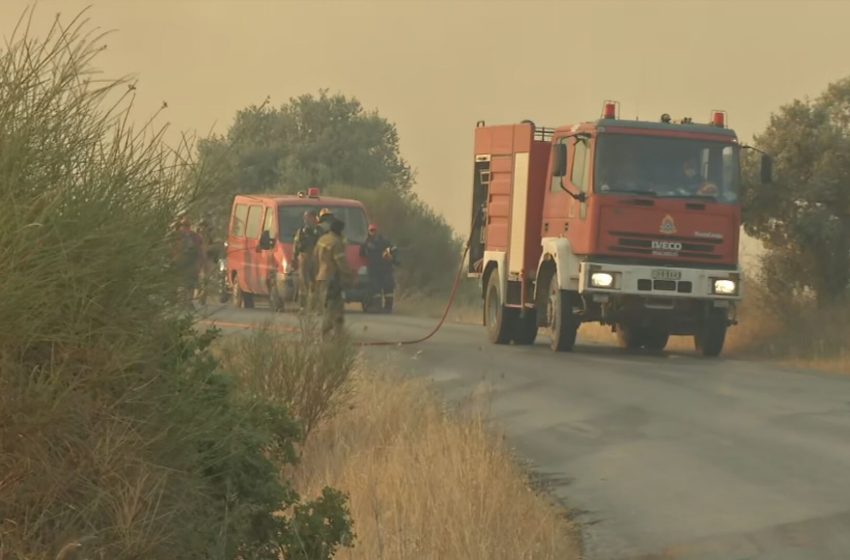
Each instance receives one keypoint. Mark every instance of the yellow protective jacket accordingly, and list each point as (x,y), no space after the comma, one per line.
(331,261)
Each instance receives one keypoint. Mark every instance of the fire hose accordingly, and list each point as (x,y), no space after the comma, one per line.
(449,302)
(442,320)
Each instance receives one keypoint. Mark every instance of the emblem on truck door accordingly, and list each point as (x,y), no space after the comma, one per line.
(668,226)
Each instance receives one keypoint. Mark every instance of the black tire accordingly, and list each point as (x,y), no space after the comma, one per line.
(629,338)
(277,303)
(525,328)
(656,339)
(241,300)
(498,319)
(710,338)
(562,323)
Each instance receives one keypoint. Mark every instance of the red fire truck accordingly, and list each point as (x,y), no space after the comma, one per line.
(628,223)
(260,251)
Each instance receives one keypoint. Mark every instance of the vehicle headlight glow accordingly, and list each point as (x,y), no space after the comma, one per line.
(725,287)
(602,280)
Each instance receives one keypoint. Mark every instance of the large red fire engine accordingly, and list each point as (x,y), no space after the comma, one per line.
(629,223)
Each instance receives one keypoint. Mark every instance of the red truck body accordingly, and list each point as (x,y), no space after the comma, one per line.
(633,224)
(255,270)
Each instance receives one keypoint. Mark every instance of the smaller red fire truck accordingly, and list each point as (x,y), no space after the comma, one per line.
(260,245)
(629,223)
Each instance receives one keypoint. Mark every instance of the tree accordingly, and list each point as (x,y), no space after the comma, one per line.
(804,217)
(309,141)
(429,253)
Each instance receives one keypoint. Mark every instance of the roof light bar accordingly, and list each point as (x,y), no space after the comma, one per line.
(718,118)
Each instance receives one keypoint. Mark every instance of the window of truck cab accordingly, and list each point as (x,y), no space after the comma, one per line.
(667,167)
(291,218)
(240,215)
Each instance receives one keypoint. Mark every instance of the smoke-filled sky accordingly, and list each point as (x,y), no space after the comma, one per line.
(436,67)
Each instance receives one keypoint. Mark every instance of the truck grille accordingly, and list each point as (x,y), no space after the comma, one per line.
(682,286)
(641,244)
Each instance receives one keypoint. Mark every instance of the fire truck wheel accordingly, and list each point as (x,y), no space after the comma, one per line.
(562,323)
(712,334)
(525,328)
(241,300)
(655,339)
(276,300)
(628,338)
(498,319)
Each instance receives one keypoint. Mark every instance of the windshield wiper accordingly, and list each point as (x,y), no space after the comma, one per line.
(706,197)
(631,191)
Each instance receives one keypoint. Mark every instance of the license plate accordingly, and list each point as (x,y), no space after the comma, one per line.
(666,274)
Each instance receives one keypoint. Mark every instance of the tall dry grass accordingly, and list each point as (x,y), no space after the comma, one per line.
(298,371)
(120,437)
(425,483)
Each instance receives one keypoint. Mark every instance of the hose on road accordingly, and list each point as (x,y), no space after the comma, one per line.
(449,302)
(442,320)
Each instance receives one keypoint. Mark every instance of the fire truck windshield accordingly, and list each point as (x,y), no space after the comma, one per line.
(667,167)
(291,217)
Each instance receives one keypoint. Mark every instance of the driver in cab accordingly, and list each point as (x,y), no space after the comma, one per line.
(693,182)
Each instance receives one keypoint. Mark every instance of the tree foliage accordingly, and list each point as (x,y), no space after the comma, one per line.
(309,141)
(804,217)
(429,253)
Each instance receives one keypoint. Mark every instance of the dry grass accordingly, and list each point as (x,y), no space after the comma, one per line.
(425,484)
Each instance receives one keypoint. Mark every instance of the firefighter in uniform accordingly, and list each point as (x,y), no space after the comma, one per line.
(304,243)
(332,277)
(188,257)
(380,259)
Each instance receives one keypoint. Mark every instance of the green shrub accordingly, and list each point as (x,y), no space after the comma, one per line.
(300,372)
(429,252)
(119,432)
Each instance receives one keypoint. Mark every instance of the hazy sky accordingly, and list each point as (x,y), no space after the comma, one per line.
(435,68)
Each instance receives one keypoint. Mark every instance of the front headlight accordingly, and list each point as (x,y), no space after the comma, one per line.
(602,280)
(725,287)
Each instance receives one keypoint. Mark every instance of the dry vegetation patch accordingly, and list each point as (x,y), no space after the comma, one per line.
(426,483)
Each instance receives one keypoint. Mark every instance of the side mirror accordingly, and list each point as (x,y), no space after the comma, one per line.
(559,167)
(766,169)
(266,241)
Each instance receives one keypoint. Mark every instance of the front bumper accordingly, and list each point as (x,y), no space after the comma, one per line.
(357,294)
(361,291)
(668,282)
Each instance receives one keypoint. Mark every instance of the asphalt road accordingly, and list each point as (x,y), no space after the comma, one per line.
(659,457)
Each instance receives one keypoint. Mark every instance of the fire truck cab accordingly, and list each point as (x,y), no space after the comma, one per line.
(629,223)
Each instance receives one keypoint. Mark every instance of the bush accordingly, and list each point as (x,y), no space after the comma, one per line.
(429,253)
(306,376)
(119,433)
